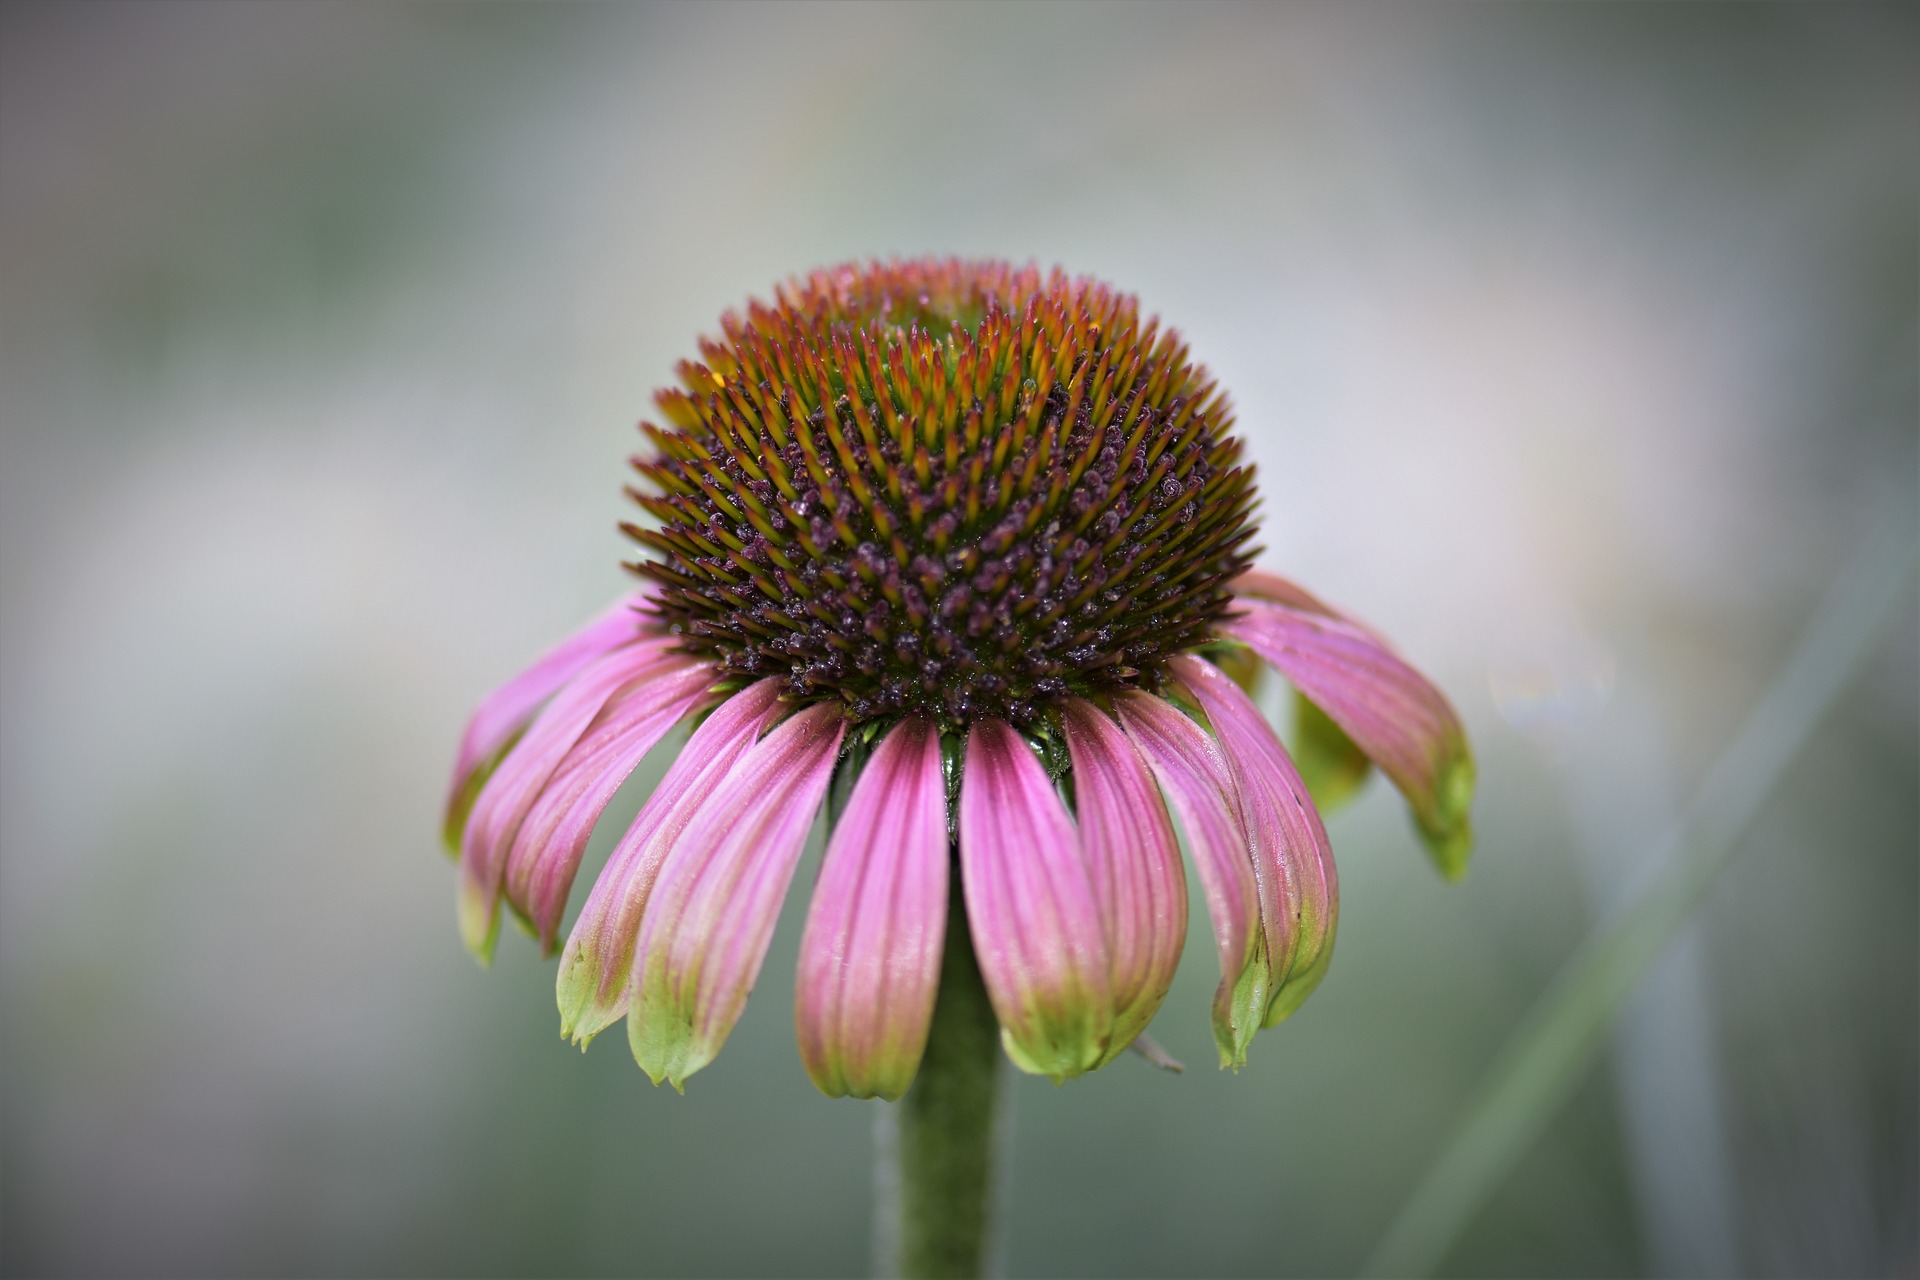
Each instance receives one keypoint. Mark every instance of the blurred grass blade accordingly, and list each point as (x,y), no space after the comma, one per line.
(1545,1058)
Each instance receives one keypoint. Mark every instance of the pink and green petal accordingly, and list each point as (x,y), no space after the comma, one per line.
(1299,985)
(711,915)
(1133,862)
(514,787)
(870,957)
(553,836)
(1292,861)
(1334,767)
(597,963)
(1030,906)
(1330,762)
(505,712)
(1393,713)
(1194,776)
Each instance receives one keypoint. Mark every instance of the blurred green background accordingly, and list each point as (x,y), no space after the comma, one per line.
(1575,345)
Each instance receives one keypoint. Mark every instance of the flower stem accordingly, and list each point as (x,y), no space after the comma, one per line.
(946,1129)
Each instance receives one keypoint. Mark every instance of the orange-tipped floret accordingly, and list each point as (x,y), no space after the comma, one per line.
(955,487)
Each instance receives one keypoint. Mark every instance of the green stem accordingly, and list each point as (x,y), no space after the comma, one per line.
(946,1124)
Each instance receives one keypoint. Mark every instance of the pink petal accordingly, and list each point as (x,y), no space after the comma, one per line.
(712,911)
(1260,585)
(1035,923)
(1188,764)
(503,713)
(517,783)
(1402,722)
(598,960)
(1334,767)
(870,958)
(554,834)
(1133,862)
(1292,862)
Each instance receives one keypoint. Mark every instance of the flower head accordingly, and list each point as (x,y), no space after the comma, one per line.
(966,546)
(954,489)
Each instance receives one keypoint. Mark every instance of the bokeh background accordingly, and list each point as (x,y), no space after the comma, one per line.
(1576,346)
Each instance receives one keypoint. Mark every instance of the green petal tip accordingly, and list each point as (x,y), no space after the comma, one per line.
(1447,828)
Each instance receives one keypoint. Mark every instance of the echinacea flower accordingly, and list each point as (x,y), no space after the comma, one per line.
(963,547)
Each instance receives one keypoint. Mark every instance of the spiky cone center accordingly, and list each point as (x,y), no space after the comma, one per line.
(951,487)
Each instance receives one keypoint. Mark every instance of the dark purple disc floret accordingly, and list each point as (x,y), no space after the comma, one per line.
(954,487)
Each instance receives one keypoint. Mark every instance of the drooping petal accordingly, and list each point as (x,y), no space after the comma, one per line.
(1191,771)
(503,713)
(1395,715)
(1292,861)
(713,907)
(1333,766)
(1030,906)
(1261,585)
(870,958)
(598,960)
(1133,862)
(517,783)
(546,851)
